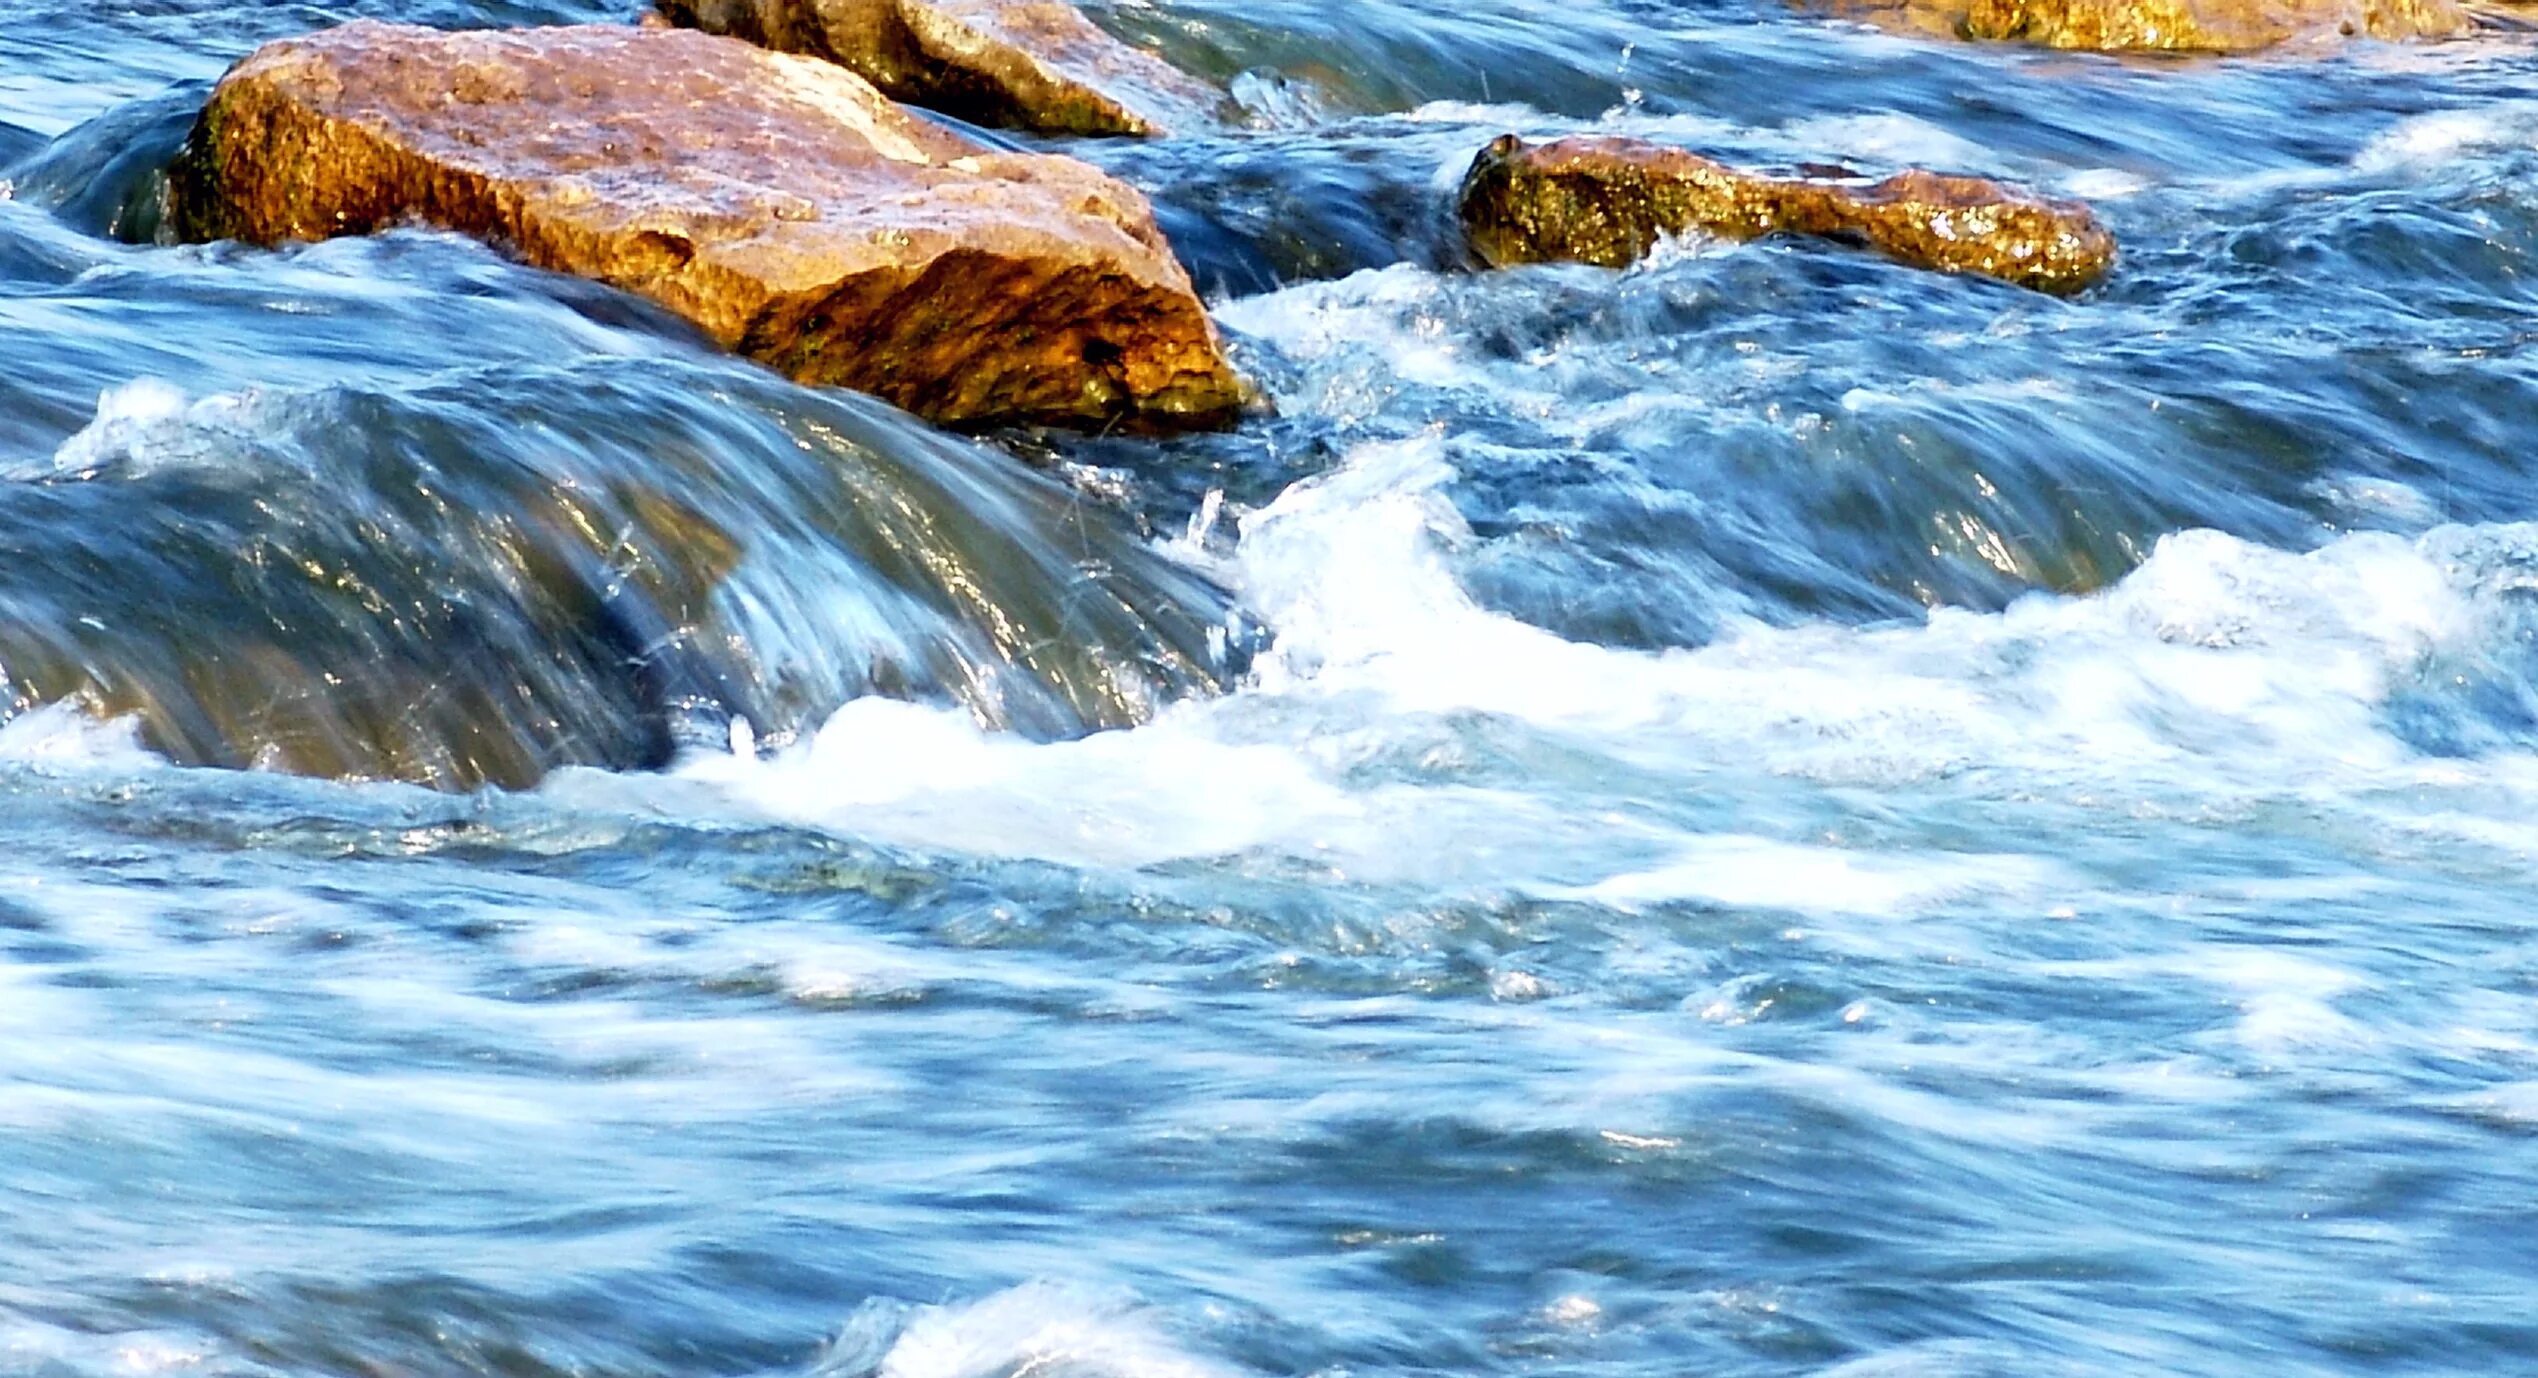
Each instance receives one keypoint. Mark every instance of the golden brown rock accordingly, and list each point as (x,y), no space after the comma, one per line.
(779,203)
(2202,26)
(1021,64)
(1609,200)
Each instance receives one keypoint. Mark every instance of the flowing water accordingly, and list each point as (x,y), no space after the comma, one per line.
(1770,813)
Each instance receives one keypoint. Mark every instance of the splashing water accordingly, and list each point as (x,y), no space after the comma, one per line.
(1763,814)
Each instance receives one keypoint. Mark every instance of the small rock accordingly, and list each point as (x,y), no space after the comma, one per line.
(1608,201)
(2195,26)
(1017,64)
(781,204)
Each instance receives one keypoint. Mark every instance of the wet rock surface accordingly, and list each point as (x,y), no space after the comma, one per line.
(1609,201)
(1023,64)
(2193,26)
(780,204)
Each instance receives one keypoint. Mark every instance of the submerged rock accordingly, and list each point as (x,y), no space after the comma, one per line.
(2201,26)
(1608,201)
(1022,64)
(782,205)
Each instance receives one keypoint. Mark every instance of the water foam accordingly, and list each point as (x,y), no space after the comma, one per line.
(2219,671)
(1041,1328)
(2422,142)
(38,1348)
(63,736)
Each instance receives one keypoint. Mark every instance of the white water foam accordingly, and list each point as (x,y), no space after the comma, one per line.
(1759,872)
(1041,1328)
(2422,142)
(32,1347)
(63,736)
(2219,671)
(2217,674)
(149,424)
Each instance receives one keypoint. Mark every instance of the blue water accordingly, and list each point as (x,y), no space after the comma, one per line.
(1768,814)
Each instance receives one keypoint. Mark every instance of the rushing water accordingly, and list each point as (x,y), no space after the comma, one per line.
(1766,814)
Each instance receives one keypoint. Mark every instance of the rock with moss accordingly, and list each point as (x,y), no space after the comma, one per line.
(1609,201)
(781,204)
(1017,64)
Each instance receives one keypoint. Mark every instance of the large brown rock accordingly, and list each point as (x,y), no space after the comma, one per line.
(2195,26)
(1609,201)
(1021,64)
(781,204)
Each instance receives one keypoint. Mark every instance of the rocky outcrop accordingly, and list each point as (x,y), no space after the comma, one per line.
(1609,201)
(1019,64)
(780,204)
(2199,26)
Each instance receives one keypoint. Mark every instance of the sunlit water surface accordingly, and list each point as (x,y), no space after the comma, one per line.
(1776,814)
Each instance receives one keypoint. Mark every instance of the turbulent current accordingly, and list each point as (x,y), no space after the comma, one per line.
(1769,813)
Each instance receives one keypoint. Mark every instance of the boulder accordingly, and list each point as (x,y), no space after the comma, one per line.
(2196,26)
(1608,201)
(1018,64)
(781,204)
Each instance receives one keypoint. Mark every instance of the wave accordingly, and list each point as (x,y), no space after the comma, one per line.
(483,577)
(1041,1328)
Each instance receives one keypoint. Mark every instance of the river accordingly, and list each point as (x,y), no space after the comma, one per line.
(1770,813)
